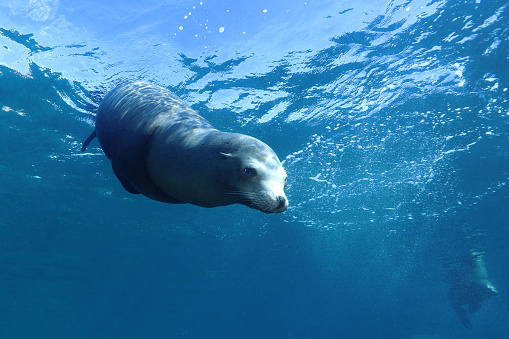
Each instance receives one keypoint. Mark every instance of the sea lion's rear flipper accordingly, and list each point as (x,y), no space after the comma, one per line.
(462,314)
(127,186)
(457,297)
(89,139)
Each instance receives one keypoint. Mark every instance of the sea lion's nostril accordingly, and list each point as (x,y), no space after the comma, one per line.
(282,202)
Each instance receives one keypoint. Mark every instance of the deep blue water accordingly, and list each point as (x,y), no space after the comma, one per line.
(392,118)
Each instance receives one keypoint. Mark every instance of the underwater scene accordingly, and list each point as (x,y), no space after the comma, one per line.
(385,213)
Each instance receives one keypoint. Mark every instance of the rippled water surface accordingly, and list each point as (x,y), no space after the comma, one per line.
(392,122)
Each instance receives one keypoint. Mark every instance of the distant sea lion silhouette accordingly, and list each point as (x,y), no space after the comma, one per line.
(159,147)
(470,287)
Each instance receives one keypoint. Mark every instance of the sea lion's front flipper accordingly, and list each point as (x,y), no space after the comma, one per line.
(89,139)
(127,186)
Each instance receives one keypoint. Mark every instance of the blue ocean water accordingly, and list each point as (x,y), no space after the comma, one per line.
(392,122)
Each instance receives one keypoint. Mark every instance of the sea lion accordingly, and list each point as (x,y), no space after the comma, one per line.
(159,147)
(470,287)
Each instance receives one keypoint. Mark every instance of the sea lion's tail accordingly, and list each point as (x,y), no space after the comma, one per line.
(89,139)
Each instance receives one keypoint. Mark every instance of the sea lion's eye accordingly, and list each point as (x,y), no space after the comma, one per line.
(250,171)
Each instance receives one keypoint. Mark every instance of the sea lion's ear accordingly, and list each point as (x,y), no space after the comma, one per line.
(226,155)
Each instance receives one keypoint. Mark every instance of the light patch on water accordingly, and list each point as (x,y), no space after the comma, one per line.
(317,178)
(469,24)
(240,102)
(491,20)
(70,102)
(18,112)
(274,112)
(468,38)
(14,56)
(87,154)
(451,37)
(37,10)
(492,47)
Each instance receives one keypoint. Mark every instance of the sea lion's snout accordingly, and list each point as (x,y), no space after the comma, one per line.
(282,205)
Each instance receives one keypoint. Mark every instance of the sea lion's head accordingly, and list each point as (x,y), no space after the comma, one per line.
(258,179)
